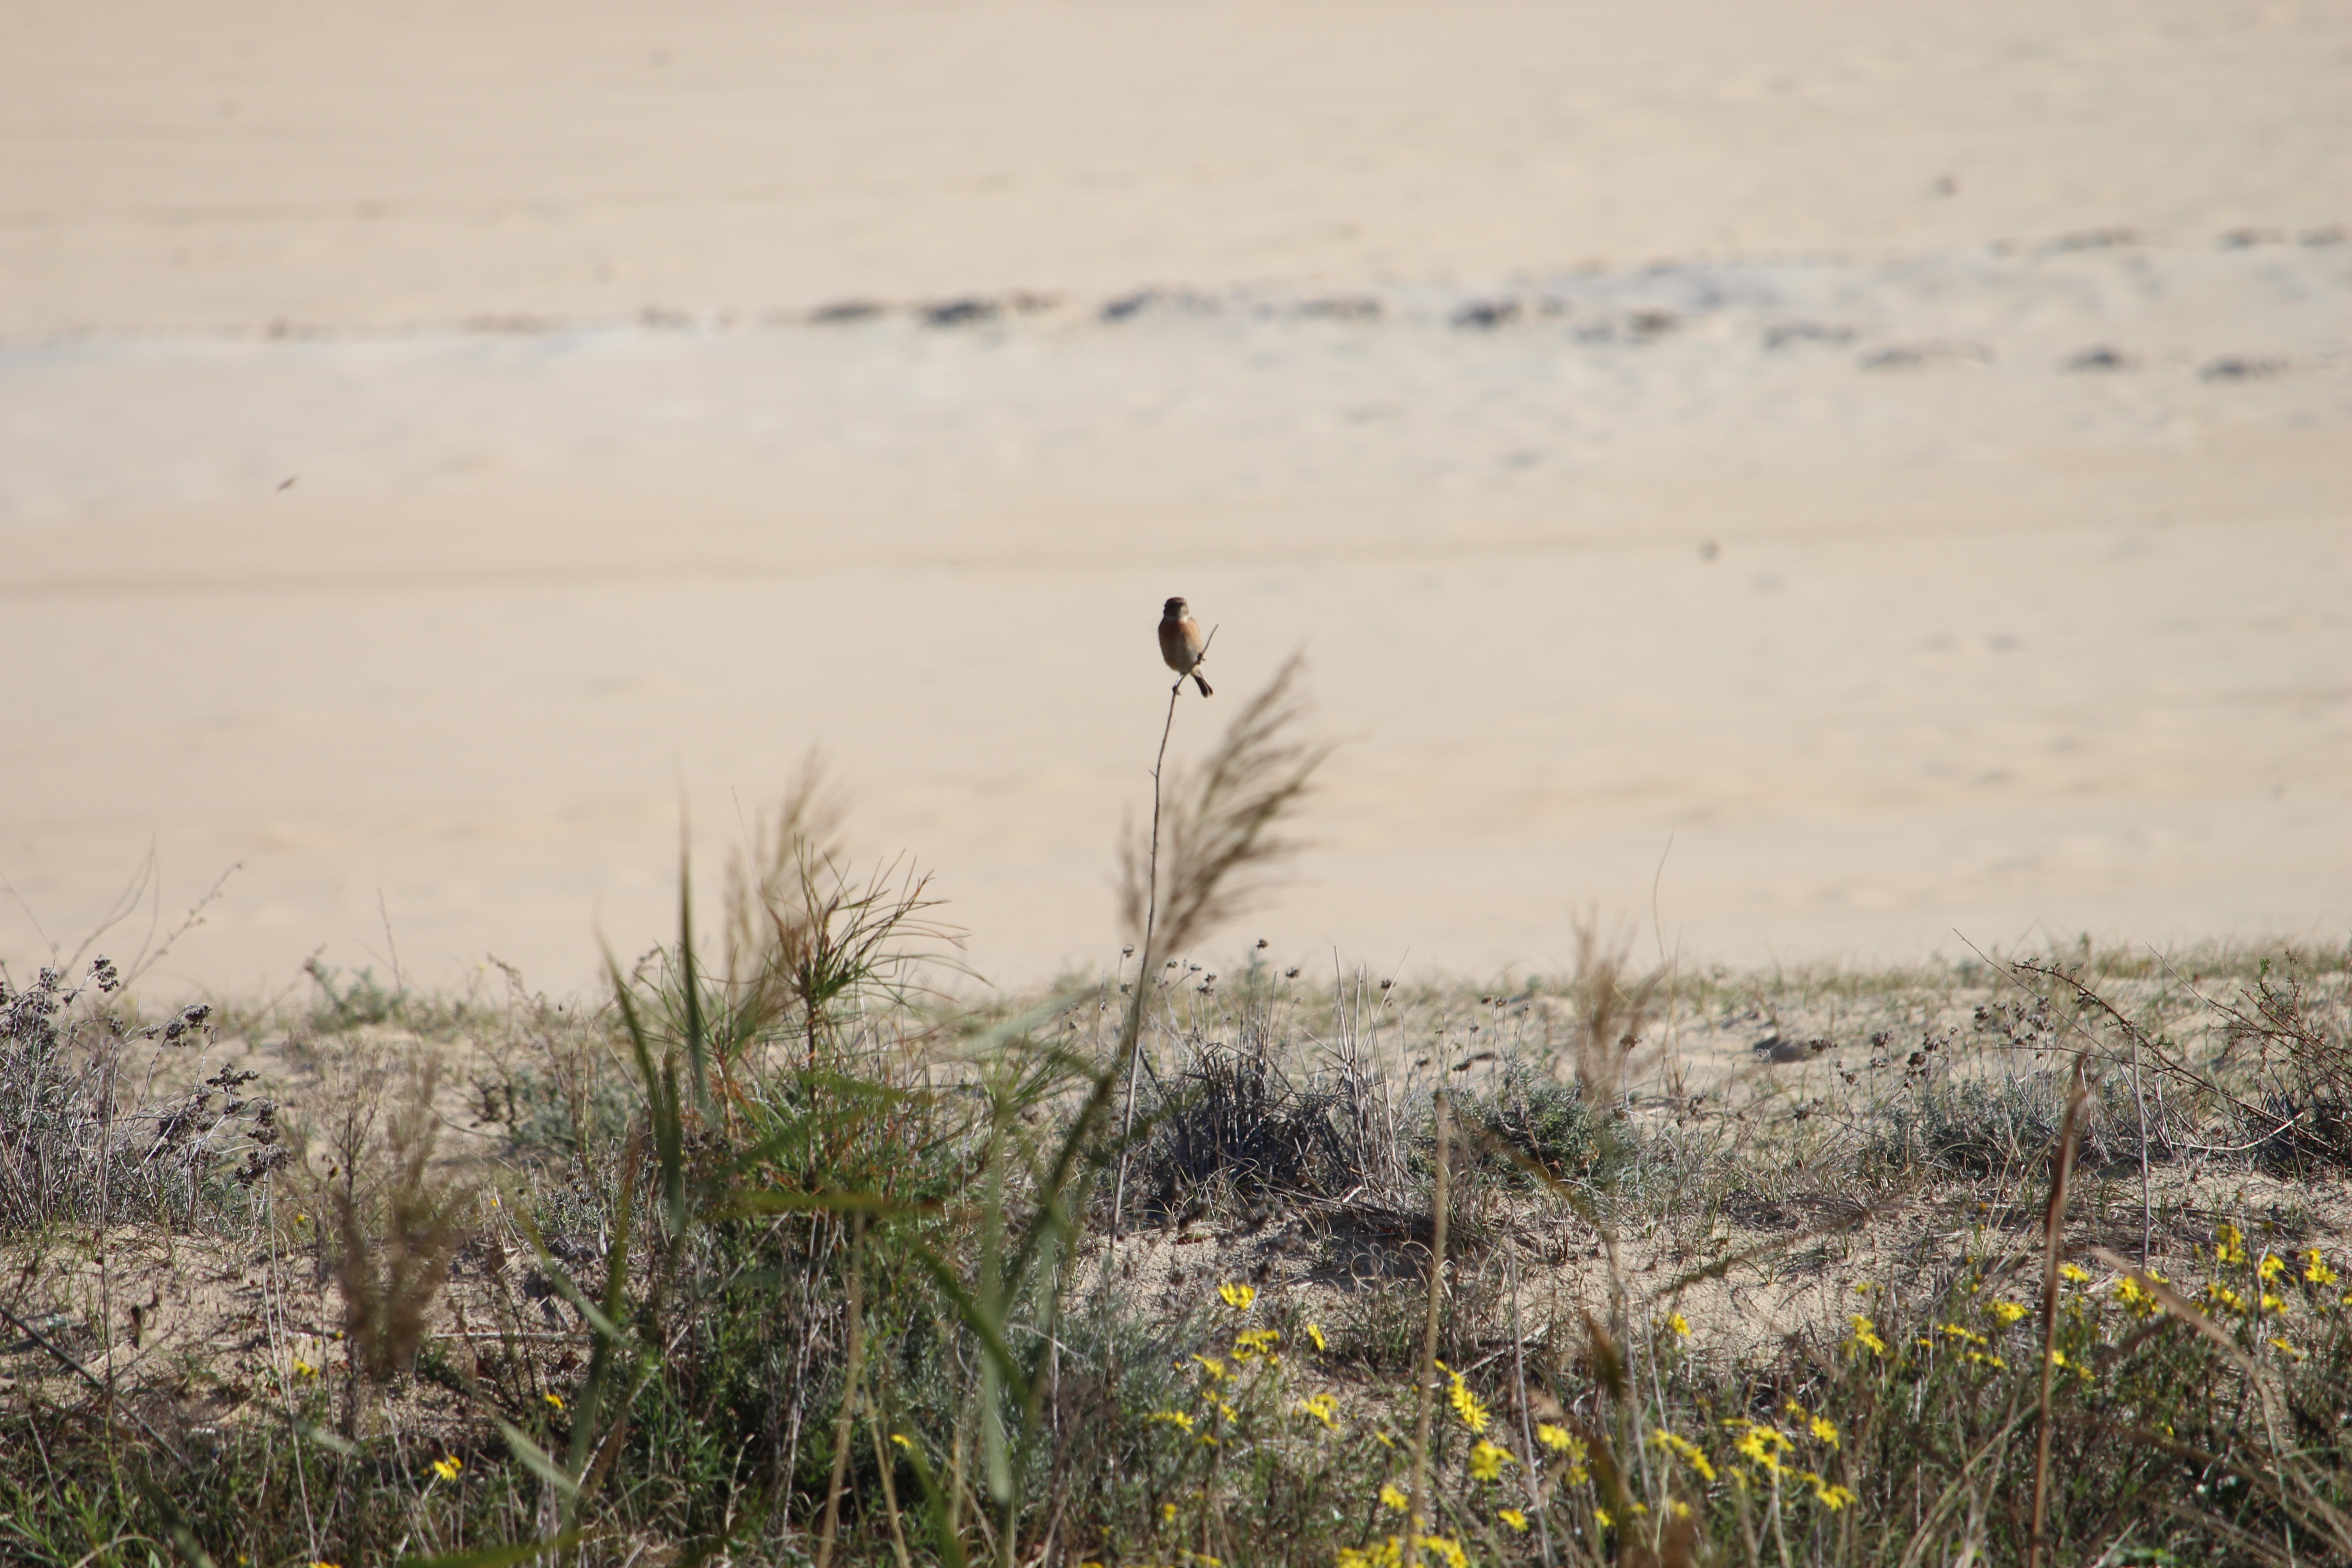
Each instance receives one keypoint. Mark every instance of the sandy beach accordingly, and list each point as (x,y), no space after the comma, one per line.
(1799,481)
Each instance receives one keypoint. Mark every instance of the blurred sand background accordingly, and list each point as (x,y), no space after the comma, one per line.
(1897,451)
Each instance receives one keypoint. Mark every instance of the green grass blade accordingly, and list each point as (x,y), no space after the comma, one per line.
(497,1556)
(540,1461)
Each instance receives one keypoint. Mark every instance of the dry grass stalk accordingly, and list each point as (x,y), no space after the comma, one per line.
(805,939)
(2053,1227)
(852,1385)
(1612,1011)
(1219,835)
(1440,1201)
(397,1235)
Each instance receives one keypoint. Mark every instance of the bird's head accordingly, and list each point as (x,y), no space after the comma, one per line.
(1174,609)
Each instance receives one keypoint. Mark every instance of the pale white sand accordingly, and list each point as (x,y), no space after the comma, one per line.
(1985,642)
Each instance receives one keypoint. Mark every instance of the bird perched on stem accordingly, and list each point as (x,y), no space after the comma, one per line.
(1182,644)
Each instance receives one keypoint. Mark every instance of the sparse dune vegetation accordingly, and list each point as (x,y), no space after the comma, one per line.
(782,1254)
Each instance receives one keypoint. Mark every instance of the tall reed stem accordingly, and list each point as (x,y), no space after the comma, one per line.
(2053,1227)
(1440,1202)
(852,1381)
(1129,1036)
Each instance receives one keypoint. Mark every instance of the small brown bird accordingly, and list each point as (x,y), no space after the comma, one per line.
(1182,644)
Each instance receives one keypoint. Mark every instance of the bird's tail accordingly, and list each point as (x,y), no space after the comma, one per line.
(1206,690)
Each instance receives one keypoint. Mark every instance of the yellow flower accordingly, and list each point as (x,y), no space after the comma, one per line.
(1513,1518)
(1969,1335)
(2271,1267)
(1865,1336)
(2076,1272)
(2007,1311)
(1679,1324)
(2271,1303)
(448,1469)
(1760,1445)
(1991,1361)
(1315,1336)
(1600,1516)
(901,1439)
(1465,1404)
(2221,1295)
(2140,1302)
(1552,1437)
(2289,1349)
(1449,1550)
(1826,1430)
(1237,1297)
(1175,1418)
(1322,1407)
(1832,1497)
(2315,1269)
(2229,1243)
(1256,1342)
(304,1369)
(554,1399)
(1488,1459)
(1392,1498)
(1384,1440)
(1692,1455)
(1212,1366)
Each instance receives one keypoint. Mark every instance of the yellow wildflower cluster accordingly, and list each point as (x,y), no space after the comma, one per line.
(448,1469)
(2140,1301)
(1323,1407)
(2229,1243)
(1865,1336)
(1569,1446)
(1763,1445)
(1390,1554)
(1238,1296)
(1692,1454)
(1488,1459)
(2007,1311)
(1465,1404)
(1252,1343)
